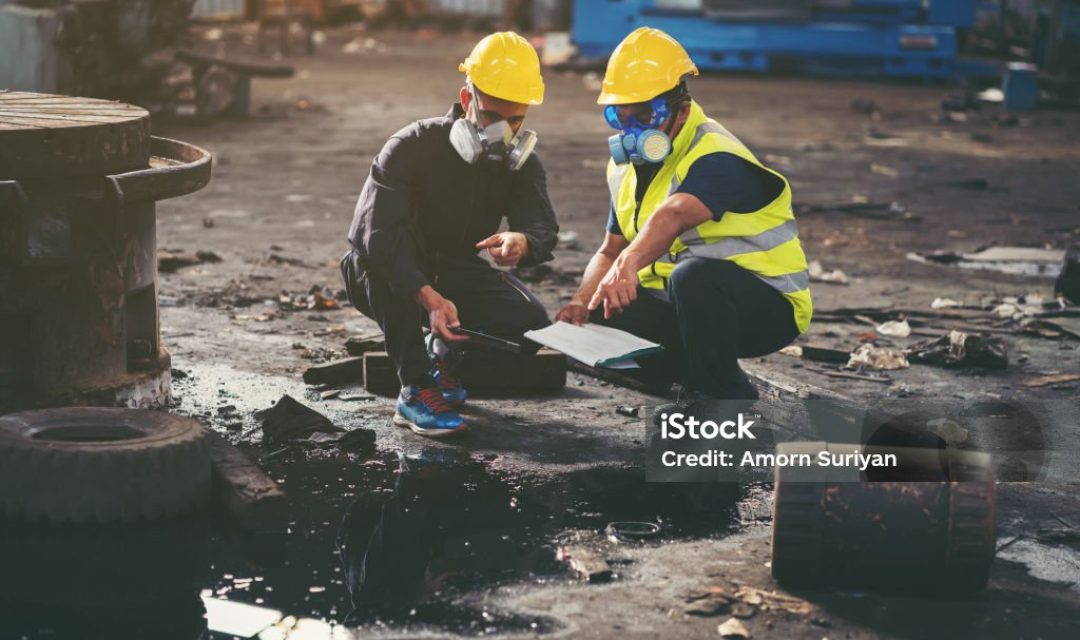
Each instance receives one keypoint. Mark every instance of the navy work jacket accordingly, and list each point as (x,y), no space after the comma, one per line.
(422,202)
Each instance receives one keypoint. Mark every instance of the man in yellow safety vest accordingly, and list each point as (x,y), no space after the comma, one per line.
(702,253)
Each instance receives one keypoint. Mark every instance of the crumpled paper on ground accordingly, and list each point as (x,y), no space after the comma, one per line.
(867,356)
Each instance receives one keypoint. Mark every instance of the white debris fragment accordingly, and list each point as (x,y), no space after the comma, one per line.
(818,273)
(868,356)
(895,329)
(792,350)
(944,303)
(733,628)
(568,239)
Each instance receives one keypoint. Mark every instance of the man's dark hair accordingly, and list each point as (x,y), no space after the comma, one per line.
(678,95)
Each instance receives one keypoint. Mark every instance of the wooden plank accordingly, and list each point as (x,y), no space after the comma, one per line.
(359,345)
(344,371)
(544,373)
(614,377)
(250,497)
(589,565)
(818,353)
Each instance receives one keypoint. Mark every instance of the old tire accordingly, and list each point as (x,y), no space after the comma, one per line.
(101,465)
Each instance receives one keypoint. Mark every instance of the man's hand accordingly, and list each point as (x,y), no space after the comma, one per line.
(442,314)
(575,313)
(506,248)
(618,288)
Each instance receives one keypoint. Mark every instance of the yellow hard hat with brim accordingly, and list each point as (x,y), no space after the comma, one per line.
(646,63)
(505,65)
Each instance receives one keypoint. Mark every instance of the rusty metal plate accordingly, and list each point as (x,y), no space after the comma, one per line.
(46,136)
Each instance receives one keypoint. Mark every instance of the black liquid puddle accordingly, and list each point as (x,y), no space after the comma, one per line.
(403,543)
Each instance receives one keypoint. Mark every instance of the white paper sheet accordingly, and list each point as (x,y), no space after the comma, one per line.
(594,344)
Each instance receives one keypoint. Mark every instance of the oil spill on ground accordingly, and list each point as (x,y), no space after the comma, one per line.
(404,543)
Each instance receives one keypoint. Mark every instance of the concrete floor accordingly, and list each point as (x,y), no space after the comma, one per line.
(284,185)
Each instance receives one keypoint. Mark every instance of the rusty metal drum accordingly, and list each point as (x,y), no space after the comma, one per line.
(927,523)
(78,272)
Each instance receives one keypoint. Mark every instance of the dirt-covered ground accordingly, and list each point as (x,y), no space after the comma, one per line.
(278,207)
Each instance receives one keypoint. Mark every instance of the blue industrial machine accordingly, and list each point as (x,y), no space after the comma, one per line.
(899,38)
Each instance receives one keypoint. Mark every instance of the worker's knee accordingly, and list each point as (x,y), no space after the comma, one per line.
(694,276)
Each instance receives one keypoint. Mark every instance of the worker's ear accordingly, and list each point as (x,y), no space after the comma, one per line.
(684,111)
(463,98)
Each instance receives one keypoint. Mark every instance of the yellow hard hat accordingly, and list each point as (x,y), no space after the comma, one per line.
(646,63)
(505,65)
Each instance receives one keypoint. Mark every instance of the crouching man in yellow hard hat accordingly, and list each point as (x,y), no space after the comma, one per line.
(435,197)
(701,254)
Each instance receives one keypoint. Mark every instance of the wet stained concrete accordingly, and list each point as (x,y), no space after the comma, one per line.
(539,472)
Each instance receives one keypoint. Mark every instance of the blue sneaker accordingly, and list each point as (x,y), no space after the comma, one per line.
(447,383)
(425,411)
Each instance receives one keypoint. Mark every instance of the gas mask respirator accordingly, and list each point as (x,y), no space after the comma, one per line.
(638,141)
(495,142)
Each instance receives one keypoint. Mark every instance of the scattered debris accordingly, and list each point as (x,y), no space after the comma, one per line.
(568,239)
(773,601)
(629,412)
(316,299)
(1052,379)
(944,303)
(1054,330)
(588,564)
(289,419)
(874,210)
(817,353)
(356,440)
(867,356)
(347,396)
(1023,261)
(883,170)
(292,262)
(818,274)
(733,628)
(172,260)
(708,604)
(895,329)
(959,349)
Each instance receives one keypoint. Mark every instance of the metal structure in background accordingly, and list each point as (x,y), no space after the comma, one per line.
(219,9)
(899,38)
(78,265)
(101,48)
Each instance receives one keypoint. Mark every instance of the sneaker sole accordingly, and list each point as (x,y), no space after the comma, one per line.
(402,421)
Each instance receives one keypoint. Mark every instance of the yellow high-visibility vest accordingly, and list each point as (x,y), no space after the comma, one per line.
(765,242)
